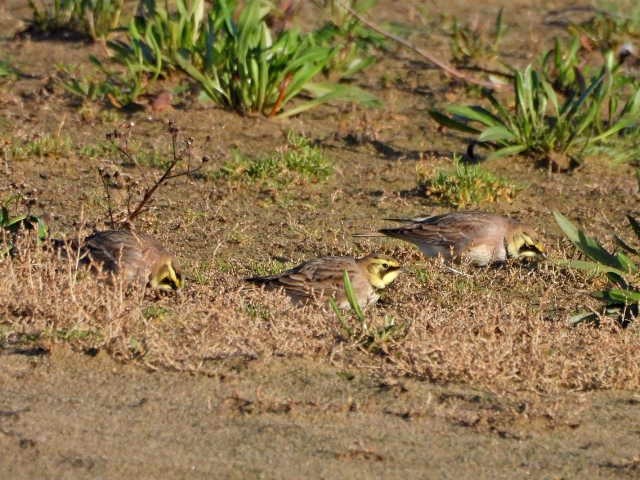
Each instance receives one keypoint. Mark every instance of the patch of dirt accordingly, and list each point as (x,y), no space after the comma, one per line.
(76,416)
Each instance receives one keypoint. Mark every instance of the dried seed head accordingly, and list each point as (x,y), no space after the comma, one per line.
(173,128)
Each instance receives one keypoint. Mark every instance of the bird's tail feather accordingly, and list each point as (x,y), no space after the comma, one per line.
(398,219)
(258,280)
(368,234)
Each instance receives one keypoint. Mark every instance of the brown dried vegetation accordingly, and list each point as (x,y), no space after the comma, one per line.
(496,329)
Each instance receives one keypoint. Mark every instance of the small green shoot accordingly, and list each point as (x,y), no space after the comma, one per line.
(7,71)
(257,310)
(155,312)
(39,146)
(374,339)
(611,26)
(475,45)
(116,88)
(271,267)
(356,43)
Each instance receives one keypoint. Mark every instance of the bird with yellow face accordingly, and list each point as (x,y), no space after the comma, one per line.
(137,257)
(324,277)
(482,238)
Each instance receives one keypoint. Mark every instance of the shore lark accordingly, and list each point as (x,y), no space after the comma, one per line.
(136,256)
(482,238)
(324,277)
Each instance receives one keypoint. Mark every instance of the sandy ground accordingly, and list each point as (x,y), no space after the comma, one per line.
(75,416)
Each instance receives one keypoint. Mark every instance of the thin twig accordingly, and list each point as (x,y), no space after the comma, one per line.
(283,92)
(105,183)
(165,176)
(178,154)
(448,69)
(188,173)
(5,154)
(458,272)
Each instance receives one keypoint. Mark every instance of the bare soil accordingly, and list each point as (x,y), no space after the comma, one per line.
(226,382)
(72,416)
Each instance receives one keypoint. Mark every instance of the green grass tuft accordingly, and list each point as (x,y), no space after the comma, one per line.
(464,186)
(297,161)
(40,146)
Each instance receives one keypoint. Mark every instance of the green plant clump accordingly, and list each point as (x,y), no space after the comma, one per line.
(10,225)
(298,160)
(466,185)
(237,61)
(117,89)
(7,71)
(472,45)
(611,26)
(355,42)
(95,18)
(622,297)
(542,124)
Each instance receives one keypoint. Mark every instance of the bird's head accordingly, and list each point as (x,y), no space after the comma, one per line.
(523,243)
(167,277)
(381,270)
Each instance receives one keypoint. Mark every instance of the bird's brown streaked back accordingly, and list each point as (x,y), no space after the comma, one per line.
(138,257)
(484,238)
(324,277)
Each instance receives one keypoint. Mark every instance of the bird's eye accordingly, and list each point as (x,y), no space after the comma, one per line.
(170,283)
(385,266)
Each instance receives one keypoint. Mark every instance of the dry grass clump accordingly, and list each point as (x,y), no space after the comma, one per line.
(505,330)
(501,347)
(45,298)
(48,299)
(498,329)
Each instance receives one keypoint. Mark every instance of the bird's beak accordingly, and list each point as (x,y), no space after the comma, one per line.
(537,252)
(160,282)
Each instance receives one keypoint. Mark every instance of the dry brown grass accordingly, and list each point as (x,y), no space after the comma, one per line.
(499,329)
